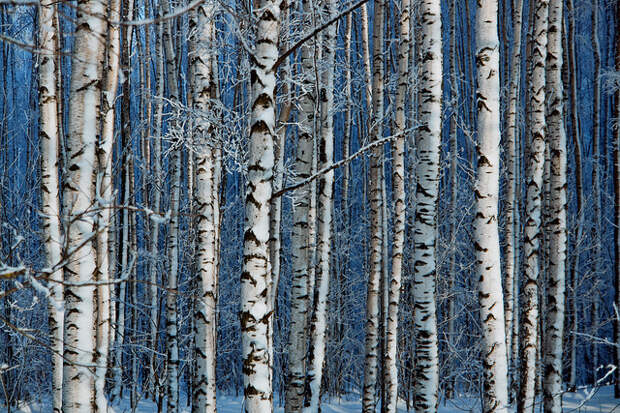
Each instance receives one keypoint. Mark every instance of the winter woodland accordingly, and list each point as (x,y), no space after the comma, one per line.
(271,205)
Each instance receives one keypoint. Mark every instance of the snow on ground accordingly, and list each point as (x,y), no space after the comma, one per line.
(598,400)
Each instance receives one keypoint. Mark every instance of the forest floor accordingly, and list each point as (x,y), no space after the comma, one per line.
(599,400)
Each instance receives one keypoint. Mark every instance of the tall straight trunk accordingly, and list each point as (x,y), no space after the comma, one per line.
(158,182)
(536,149)
(78,198)
(454,161)
(172,343)
(105,191)
(372,349)
(50,202)
(512,143)
(428,140)
(398,194)
(318,332)
(617,213)
(300,237)
(207,202)
(256,280)
(576,135)
(486,232)
(554,328)
(596,184)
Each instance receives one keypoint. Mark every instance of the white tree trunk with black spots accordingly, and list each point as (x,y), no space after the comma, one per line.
(398,194)
(534,179)
(372,348)
(78,202)
(428,140)
(207,203)
(300,237)
(486,232)
(554,328)
(50,201)
(256,281)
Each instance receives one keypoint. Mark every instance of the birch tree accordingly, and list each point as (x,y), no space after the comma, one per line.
(256,280)
(318,332)
(300,237)
(552,381)
(536,159)
(616,177)
(50,201)
(78,200)
(372,347)
(428,140)
(398,194)
(486,234)
(207,202)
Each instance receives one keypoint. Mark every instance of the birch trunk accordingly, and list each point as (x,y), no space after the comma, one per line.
(552,381)
(207,202)
(50,202)
(428,140)
(318,330)
(78,199)
(512,230)
(486,233)
(256,280)
(398,194)
(300,237)
(533,234)
(372,348)
(106,192)
(616,109)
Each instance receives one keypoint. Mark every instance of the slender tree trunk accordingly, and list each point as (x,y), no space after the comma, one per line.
(428,140)
(300,237)
(486,233)
(533,209)
(552,382)
(372,348)
(207,202)
(78,200)
(512,233)
(398,194)
(596,187)
(256,280)
(617,213)
(49,128)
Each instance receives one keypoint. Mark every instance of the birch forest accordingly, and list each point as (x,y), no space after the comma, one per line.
(309,206)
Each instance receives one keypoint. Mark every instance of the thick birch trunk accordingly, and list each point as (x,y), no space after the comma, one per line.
(207,202)
(428,140)
(50,202)
(398,194)
(554,328)
(486,233)
(256,281)
(536,148)
(78,198)
(372,348)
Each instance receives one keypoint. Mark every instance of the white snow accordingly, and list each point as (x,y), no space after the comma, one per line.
(598,400)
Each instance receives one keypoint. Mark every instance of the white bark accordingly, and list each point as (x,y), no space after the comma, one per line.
(50,201)
(78,200)
(256,282)
(300,237)
(533,209)
(486,233)
(326,188)
(428,140)
(207,202)
(372,347)
(398,194)
(554,328)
